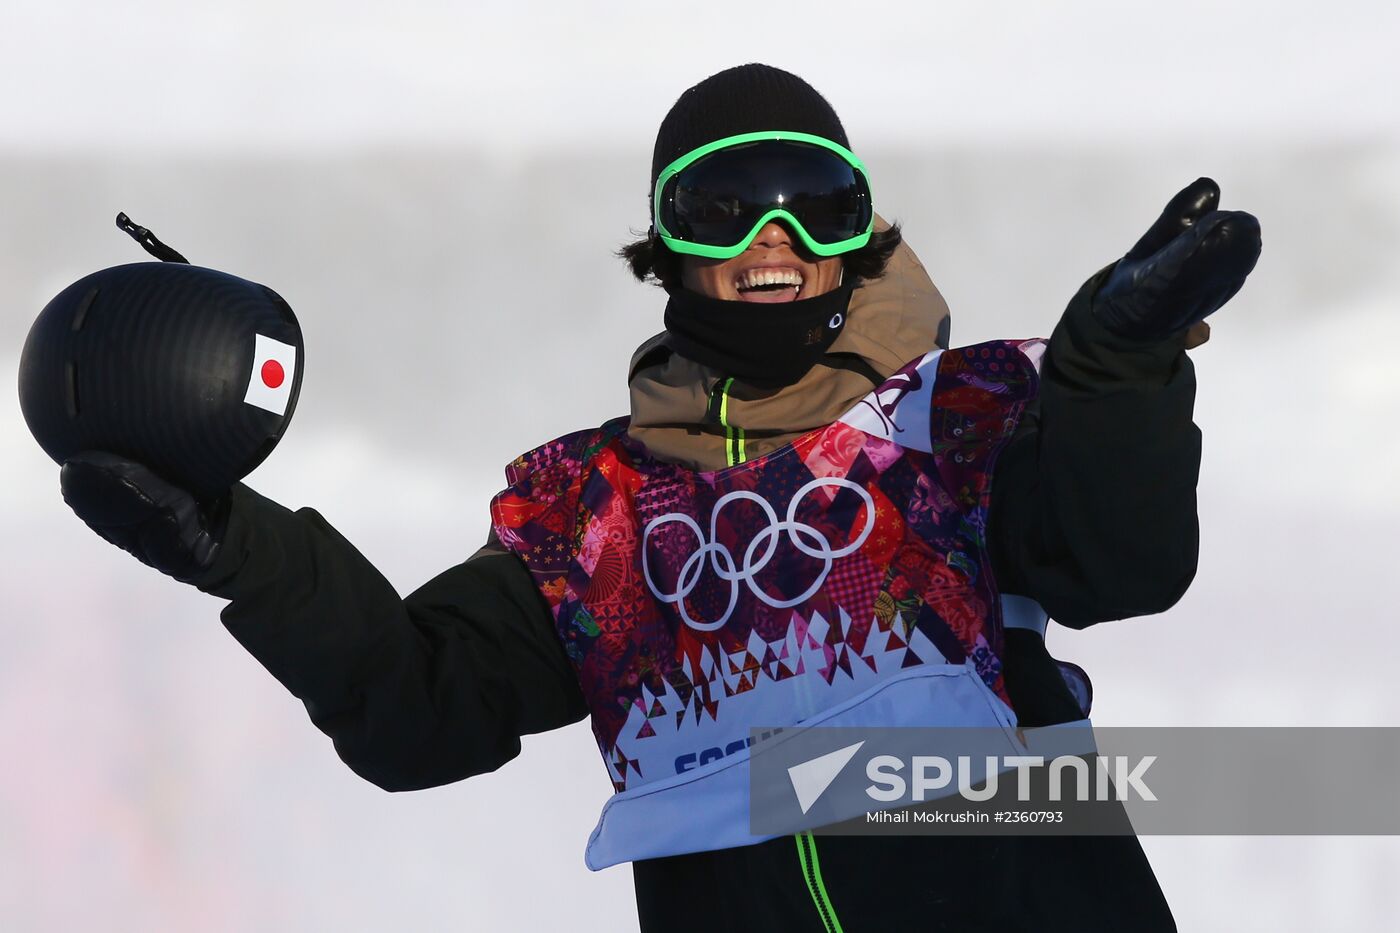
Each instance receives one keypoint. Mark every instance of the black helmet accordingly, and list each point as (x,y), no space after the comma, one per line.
(190,371)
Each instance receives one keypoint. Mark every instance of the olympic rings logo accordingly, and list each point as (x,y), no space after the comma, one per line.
(804,537)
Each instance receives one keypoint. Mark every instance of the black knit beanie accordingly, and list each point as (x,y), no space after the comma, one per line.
(746,99)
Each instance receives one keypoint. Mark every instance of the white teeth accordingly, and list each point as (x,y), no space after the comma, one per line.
(756,277)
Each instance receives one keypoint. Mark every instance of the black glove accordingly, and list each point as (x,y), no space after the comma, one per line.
(1184,269)
(132,507)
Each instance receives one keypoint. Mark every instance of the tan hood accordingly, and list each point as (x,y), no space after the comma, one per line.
(889,322)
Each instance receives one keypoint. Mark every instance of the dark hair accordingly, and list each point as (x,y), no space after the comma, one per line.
(650,259)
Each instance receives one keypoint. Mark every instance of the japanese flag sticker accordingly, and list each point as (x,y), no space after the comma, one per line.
(270,382)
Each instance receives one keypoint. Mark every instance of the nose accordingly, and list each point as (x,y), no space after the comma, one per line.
(772,235)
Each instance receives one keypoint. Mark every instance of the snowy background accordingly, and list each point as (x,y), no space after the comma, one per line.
(437,192)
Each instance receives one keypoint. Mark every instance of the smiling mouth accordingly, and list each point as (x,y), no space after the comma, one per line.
(769,284)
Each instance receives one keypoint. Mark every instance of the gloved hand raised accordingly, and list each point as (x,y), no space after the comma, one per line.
(1192,261)
(160,524)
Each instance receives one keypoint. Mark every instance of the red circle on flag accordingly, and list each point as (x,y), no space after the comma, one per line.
(272,374)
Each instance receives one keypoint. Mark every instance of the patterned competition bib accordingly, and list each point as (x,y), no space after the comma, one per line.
(843,579)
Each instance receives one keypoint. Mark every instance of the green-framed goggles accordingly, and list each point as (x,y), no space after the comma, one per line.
(712,201)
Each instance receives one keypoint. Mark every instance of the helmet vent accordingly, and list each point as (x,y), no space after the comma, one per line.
(80,315)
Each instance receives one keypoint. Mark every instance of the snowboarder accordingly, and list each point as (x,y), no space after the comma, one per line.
(813,494)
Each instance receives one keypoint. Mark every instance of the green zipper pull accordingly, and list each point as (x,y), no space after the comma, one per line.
(812,873)
(718,411)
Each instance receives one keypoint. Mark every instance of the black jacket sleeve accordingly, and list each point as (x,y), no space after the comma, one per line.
(414,692)
(1093,510)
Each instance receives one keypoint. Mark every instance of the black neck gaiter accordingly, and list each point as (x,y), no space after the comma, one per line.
(762,344)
